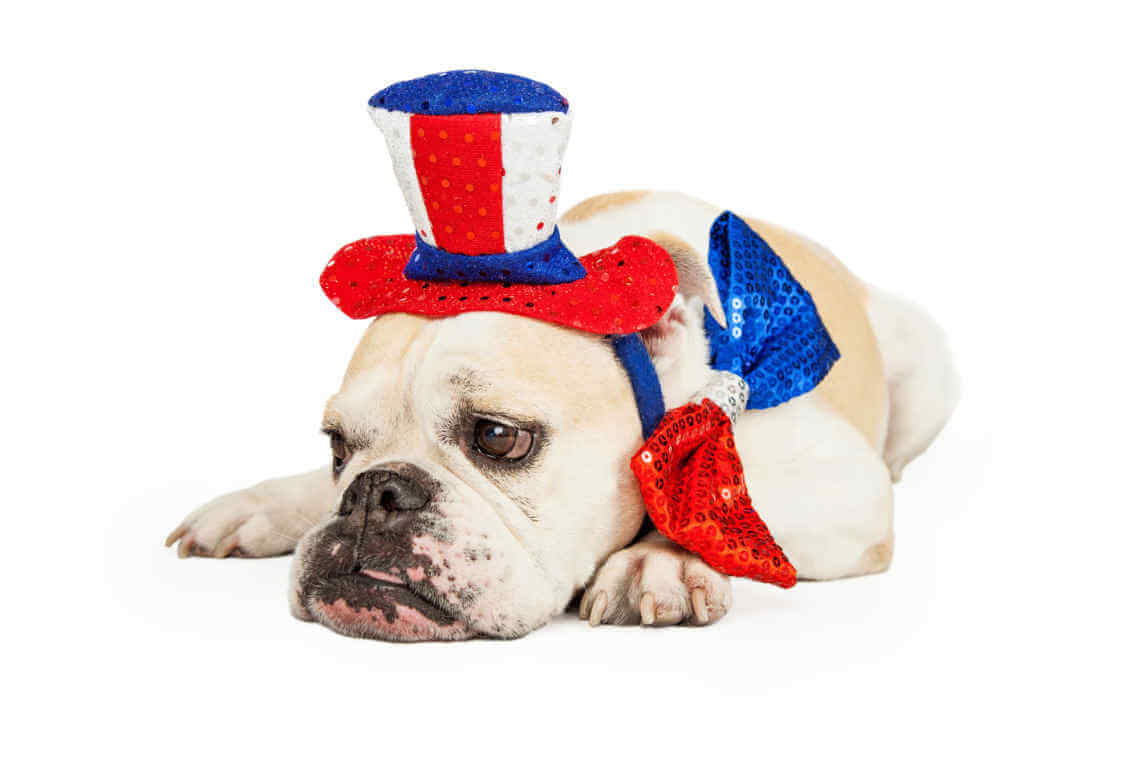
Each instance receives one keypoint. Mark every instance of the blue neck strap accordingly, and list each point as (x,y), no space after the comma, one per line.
(634,358)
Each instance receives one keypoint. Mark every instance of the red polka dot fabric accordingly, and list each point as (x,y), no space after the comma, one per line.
(693,485)
(627,287)
(459,167)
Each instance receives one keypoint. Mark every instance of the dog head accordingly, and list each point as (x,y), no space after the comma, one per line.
(482,472)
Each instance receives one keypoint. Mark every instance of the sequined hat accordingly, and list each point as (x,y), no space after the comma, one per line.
(478,156)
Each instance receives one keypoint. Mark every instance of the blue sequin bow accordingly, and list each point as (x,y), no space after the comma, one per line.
(775,339)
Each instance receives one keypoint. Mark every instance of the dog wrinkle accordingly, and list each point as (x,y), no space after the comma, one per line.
(526,506)
(508,527)
(468,381)
(523,503)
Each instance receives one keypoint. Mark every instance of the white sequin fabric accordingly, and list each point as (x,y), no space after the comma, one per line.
(726,390)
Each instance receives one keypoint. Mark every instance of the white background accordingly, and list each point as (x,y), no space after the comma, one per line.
(174,178)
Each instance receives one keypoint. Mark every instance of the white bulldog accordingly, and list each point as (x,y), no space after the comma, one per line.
(480,475)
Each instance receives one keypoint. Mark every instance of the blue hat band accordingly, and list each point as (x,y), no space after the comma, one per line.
(548,263)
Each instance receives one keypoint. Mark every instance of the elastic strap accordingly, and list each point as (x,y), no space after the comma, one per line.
(634,357)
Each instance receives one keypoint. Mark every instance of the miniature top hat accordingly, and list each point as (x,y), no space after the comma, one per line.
(478,156)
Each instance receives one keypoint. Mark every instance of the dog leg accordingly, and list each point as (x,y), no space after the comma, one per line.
(655,582)
(262,521)
(823,491)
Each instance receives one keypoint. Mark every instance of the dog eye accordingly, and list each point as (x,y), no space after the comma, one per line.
(340,452)
(499,441)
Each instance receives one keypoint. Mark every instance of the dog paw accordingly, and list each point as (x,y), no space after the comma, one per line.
(238,524)
(655,582)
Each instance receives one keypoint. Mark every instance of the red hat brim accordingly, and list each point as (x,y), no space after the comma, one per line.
(627,287)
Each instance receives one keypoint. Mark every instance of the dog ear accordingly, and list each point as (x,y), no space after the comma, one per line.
(677,342)
(694,278)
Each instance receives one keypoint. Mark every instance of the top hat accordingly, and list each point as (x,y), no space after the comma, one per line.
(478,156)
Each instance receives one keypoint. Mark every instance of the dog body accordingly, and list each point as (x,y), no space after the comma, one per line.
(419,534)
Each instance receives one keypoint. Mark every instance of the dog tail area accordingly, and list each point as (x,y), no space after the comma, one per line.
(922,383)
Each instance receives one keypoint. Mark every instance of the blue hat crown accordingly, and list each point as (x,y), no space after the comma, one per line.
(469,91)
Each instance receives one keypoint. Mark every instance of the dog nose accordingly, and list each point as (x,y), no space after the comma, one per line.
(398,488)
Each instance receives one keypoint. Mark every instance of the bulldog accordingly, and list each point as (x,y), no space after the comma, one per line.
(480,483)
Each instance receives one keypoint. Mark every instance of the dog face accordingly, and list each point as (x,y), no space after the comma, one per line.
(482,472)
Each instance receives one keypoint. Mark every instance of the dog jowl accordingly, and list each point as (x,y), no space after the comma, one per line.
(372,571)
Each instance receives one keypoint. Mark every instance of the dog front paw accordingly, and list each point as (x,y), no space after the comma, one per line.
(655,582)
(238,524)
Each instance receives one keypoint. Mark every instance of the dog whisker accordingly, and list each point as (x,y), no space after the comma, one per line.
(286,536)
(305,519)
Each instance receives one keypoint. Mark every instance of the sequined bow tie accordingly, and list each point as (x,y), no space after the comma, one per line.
(693,486)
(775,339)
(773,349)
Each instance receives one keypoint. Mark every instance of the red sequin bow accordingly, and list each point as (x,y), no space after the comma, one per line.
(693,485)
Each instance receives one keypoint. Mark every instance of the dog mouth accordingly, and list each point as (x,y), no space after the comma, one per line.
(375,604)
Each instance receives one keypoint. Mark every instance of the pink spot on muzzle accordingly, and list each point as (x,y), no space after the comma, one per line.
(380,575)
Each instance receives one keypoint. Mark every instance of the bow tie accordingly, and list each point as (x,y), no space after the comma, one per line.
(775,339)
(693,486)
(773,349)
